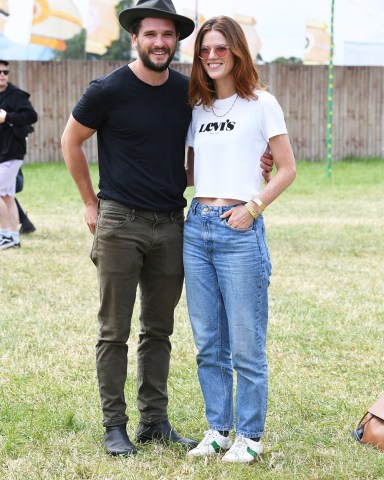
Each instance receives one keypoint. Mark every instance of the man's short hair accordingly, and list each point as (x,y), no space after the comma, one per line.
(4,62)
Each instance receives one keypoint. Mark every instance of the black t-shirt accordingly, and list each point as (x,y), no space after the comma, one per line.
(141,131)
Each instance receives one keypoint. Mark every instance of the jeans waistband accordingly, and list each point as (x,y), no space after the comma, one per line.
(105,204)
(210,210)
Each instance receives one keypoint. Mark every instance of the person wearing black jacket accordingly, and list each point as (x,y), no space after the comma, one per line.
(16,116)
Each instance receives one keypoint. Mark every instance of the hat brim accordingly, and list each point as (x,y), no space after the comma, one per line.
(128,16)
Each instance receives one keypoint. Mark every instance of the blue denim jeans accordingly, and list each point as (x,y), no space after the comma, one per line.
(227,276)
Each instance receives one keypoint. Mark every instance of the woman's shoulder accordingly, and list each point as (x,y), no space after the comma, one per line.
(267,100)
(199,107)
(264,96)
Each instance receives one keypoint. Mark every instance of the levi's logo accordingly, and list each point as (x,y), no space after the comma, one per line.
(217,126)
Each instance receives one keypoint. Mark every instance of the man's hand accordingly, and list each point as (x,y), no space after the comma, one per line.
(266,163)
(3,114)
(90,216)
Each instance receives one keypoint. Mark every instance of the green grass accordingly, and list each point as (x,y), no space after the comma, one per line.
(325,343)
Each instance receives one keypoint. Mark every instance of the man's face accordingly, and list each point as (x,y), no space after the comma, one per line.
(156,43)
(3,76)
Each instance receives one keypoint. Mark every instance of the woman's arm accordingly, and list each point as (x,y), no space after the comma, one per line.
(281,149)
(286,169)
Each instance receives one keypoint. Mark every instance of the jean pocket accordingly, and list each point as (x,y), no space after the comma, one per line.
(110,219)
(240,230)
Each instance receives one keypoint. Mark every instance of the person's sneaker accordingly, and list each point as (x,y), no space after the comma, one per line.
(8,242)
(26,226)
(244,450)
(213,442)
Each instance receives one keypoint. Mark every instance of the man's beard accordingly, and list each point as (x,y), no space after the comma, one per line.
(155,67)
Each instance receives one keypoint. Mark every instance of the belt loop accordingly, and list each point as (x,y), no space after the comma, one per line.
(133,211)
(156,216)
(194,206)
(171,216)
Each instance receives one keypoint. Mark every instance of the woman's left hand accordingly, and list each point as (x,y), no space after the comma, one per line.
(238,217)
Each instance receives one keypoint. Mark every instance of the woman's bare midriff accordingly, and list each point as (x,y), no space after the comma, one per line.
(218,202)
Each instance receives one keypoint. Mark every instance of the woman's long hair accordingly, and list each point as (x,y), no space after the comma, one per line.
(201,87)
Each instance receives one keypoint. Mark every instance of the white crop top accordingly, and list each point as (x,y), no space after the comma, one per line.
(228,149)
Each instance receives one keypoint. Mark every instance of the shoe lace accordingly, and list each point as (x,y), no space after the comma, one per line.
(239,445)
(209,436)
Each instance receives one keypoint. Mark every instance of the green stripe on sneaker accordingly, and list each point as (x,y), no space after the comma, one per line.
(216,446)
(251,452)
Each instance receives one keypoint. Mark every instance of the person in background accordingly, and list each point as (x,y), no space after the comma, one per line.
(26,226)
(226,259)
(16,116)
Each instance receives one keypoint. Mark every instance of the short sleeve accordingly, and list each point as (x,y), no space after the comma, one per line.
(273,122)
(89,110)
(191,130)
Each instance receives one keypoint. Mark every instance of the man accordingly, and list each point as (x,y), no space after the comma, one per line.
(141,115)
(16,116)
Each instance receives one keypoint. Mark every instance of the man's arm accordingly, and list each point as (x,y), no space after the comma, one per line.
(74,135)
(266,163)
(189,167)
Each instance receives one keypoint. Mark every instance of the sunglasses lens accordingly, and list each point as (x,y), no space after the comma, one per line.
(221,51)
(204,52)
(4,71)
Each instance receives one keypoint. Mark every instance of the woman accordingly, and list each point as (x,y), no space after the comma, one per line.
(226,257)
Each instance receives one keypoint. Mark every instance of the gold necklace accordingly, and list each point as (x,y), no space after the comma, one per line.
(226,113)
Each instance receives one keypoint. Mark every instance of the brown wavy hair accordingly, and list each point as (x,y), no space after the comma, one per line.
(201,87)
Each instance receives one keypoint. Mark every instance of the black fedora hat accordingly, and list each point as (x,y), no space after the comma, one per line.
(156,9)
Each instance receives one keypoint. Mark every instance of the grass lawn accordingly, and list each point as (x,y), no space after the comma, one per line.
(325,343)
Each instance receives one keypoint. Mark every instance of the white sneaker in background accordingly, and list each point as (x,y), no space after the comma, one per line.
(7,242)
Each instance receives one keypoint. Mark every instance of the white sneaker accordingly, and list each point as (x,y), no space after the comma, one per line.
(7,242)
(212,443)
(244,450)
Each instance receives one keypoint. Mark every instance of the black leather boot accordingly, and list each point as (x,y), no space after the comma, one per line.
(161,432)
(116,441)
